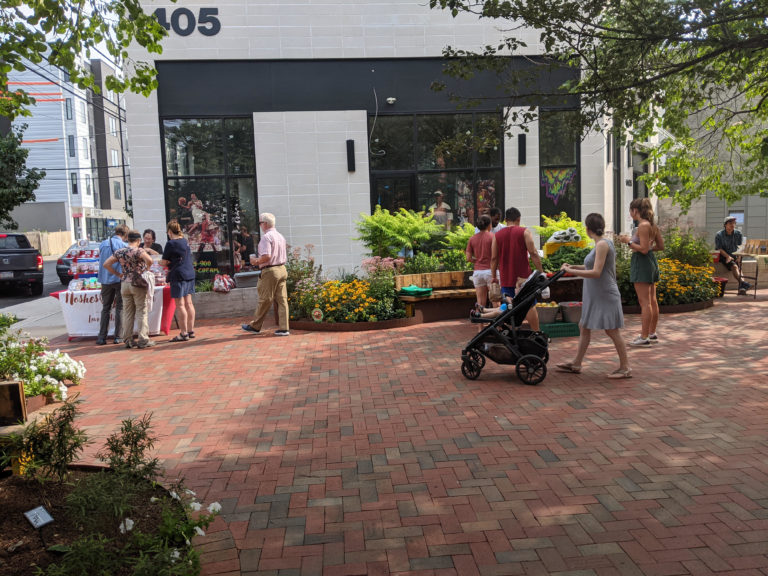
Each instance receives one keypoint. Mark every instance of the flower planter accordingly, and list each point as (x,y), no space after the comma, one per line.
(34,403)
(432,280)
(353,326)
(235,303)
(674,309)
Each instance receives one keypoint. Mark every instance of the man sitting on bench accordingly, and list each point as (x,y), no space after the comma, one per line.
(727,241)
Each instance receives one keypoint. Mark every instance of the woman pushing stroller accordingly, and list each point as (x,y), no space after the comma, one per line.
(601,299)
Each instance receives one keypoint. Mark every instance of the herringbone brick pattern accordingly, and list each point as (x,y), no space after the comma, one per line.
(369,453)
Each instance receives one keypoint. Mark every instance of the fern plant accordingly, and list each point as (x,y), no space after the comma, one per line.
(385,234)
(458,238)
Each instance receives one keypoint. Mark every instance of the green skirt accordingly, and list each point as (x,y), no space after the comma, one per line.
(644,268)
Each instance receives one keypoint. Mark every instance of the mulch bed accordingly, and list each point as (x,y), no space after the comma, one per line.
(23,549)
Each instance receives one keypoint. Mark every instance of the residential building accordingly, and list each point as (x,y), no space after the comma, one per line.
(65,135)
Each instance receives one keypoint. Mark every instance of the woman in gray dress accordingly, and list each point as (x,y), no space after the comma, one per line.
(601,299)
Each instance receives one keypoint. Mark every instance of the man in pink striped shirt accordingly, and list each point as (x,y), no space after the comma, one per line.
(272,282)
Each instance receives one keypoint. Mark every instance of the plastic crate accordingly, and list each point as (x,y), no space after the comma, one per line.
(560,329)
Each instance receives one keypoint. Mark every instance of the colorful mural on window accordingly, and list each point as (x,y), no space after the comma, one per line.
(555,182)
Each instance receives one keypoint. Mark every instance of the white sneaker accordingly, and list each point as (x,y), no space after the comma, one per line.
(653,338)
(640,341)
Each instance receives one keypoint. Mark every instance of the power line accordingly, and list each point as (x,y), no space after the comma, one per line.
(75,94)
(75,169)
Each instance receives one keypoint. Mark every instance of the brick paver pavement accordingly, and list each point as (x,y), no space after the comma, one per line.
(370,453)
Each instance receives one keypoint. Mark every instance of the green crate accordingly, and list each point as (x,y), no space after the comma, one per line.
(560,329)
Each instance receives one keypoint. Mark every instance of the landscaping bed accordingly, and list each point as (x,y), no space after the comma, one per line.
(23,550)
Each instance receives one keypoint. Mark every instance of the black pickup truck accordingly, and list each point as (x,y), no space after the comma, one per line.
(21,265)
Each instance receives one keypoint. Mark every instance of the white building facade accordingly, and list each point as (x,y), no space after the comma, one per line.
(319,110)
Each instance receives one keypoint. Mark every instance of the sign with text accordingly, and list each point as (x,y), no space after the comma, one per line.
(183,21)
(82,312)
(38,517)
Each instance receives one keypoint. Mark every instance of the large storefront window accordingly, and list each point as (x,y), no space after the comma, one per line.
(559,164)
(408,168)
(210,188)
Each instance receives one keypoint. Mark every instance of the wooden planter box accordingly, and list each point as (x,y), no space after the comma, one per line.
(433,280)
(13,405)
(233,304)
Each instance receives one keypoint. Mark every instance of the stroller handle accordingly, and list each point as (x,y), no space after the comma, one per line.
(559,274)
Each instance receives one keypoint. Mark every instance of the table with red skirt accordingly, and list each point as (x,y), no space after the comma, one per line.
(82,312)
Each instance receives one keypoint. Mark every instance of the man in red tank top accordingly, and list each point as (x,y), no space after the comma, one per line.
(509,255)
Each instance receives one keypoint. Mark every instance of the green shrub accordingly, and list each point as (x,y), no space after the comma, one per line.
(386,305)
(6,320)
(204,286)
(566,254)
(422,263)
(385,234)
(686,247)
(458,238)
(127,450)
(300,265)
(50,444)
(454,260)
(109,509)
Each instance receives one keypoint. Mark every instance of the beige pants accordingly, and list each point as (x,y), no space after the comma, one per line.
(271,287)
(134,309)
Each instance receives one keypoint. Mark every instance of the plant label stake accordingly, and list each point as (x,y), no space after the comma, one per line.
(39,517)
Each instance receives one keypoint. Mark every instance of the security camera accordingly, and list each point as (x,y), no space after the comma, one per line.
(391,100)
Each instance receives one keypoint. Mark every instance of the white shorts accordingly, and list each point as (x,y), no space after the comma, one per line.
(481,278)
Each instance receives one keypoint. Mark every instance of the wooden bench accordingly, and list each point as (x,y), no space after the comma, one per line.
(441,304)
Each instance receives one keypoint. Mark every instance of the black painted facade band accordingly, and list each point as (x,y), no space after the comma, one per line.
(242,87)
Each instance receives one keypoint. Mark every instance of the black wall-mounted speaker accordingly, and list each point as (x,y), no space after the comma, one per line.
(350,155)
(521,148)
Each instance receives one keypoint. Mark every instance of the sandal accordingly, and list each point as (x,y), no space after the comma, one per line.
(180,338)
(619,373)
(568,367)
(191,333)
(474,313)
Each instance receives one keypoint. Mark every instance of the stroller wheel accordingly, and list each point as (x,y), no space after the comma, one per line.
(531,369)
(477,358)
(470,369)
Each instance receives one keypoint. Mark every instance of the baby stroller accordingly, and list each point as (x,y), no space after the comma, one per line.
(505,342)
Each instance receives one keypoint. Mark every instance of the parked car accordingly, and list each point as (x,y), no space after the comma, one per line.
(63,264)
(21,265)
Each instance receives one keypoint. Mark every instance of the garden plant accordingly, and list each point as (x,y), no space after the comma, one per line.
(42,371)
(118,520)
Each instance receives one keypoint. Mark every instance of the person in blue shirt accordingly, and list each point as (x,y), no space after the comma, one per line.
(110,285)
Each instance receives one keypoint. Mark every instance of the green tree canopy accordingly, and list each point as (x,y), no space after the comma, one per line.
(692,72)
(17,182)
(62,31)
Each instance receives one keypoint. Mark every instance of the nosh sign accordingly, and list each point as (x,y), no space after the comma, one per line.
(183,21)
